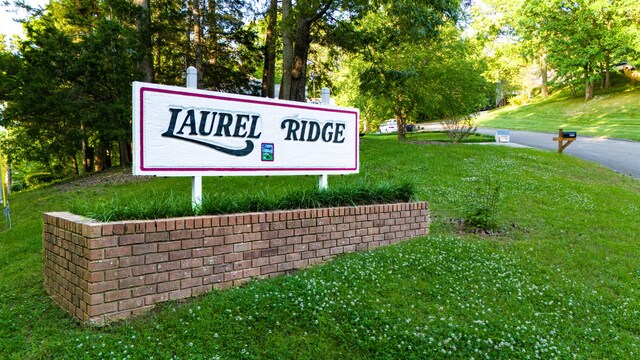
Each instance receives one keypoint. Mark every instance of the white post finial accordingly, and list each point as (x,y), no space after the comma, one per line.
(192,77)
(325,94)
(196,182)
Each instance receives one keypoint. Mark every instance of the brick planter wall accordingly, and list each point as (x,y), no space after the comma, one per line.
(100,272)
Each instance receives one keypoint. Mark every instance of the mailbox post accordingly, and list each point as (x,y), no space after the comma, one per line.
(564,139)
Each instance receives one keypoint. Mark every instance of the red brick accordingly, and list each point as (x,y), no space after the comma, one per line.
(200,290)
(179,255)
(233,275)
(131,282)
(285,266)
(156,298)
(144,290)
(156,278)
(117,295)
(232,239)
(95,310)
(131,261)
(202,271)
(197,234)
(131,239)
(156,236)
(180,234)
(100,287)
(232,257)
(189,283)
(179,294)
(276,259)
(156,258)
(240,247)
(144,249)
(130,304)
(268,269)
(117,274)
(98,265)
(241,265)
(213,279)
(168,286)
(103,242)
(285,249)
(259,262)
(250,273)
(201,252)
(213,241)
(179,274)
(168,266)
(169,246)
(118,251)
(190,244)
(143,269)
(190,263)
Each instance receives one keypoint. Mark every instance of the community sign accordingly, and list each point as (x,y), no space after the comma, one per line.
(188,132)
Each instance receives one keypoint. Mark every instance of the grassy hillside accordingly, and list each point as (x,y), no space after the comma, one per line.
(561,279)
(613,113)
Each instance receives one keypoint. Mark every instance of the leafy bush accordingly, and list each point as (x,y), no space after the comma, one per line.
(459,129)
(15,187)
(169,205)
(39,178)
(481,207)
(519,100)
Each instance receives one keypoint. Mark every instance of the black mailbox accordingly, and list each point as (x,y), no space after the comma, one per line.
(569,134)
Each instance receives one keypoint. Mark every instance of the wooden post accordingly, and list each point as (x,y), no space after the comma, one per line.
(563,142)
(325,94)
(196,181)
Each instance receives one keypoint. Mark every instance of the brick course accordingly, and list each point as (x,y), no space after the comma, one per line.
(100,272)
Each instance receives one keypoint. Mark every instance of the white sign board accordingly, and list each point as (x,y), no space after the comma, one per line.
(187,132)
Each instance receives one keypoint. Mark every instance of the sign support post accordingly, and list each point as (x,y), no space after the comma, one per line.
(325,94)
(196,181)
(564,139)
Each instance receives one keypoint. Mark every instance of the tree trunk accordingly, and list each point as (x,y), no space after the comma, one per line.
(588,89)
(75,165)
(197,39)
(544,75)
(87,152)
(287,51)
(268,72)
(300,56)
(143,25)
(125,153)
(101,157)
(213,33)
(607,73)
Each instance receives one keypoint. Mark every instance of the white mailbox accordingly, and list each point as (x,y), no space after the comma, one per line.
(502,136)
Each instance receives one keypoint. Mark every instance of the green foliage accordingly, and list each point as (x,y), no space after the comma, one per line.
(480,211)
(170,205)
(35,179)
(427,80)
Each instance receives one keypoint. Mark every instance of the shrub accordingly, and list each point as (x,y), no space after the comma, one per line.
(169,205)
(458,129)
(519,100)
(15,187)
(481,206)
(39,178)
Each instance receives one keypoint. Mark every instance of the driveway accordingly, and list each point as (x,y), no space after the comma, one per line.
(619,155)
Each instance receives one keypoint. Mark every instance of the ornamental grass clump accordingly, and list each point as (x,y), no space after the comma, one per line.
(170,205)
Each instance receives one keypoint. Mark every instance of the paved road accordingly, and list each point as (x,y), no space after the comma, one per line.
(619,155)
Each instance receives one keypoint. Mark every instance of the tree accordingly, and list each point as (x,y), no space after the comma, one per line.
(436,79)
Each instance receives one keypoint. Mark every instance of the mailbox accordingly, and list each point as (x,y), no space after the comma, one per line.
(502,136)
(569,134)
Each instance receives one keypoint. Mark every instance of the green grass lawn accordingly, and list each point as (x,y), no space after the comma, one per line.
(613,113)
(561,280)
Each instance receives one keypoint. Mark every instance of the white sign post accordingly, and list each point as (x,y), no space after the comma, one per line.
(196,181)
(190,132)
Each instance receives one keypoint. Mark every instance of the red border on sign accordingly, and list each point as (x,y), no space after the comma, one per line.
(250,101)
